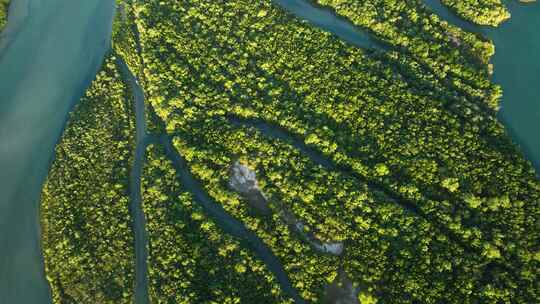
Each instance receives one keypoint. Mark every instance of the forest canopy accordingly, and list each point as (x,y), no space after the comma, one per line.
(86,238)
(370,175)
(429,148)
(485,12)
(4,5)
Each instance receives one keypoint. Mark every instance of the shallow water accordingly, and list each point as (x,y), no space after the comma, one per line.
(517,70)
(44,70)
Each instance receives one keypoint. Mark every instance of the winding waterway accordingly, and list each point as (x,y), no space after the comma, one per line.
(47,60)
(227,222)
(135,197)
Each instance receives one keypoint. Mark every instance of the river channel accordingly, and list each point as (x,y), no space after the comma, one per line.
(53,51)
(135,196)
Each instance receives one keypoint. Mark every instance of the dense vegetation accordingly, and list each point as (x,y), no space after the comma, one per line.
(438,51)
(87,238)
(394,153)
(380,236)
(379,15)
(191,260)
(441,199)
(485,12)
(4,5)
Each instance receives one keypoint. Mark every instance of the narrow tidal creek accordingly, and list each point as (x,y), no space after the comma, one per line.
(135,198)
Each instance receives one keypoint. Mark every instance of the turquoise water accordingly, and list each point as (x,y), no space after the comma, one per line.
(517,70)
(46,62)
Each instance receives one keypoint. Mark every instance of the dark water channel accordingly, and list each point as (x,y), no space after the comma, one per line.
(135,197)
(227,222)
(330,22)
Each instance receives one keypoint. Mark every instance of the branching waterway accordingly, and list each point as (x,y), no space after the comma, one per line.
(137,214)
(44,70)
(227,222)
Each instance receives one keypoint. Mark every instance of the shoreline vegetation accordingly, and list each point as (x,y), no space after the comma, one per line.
(491,12)
(86,226)
(4,6)
(396,155)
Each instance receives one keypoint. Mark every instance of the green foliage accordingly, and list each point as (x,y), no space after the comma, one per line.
(383,15)
(191,260)
(437,48)
(485,12)
(425,188)
(451,184)
(87,239)
(381,169)
(4,5)
(365,298)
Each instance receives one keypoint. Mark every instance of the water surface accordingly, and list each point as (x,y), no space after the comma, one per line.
(135,196)
(45,67)
(517,70)
(327,20)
